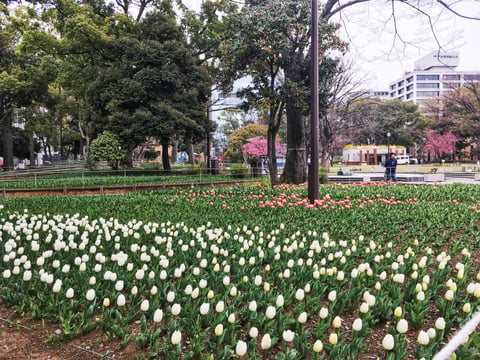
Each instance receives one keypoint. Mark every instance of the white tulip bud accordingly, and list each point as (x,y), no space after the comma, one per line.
(423,338)
(402,326)
(388,342)
(266,342)
(357,324)
(176,337)
(288,335)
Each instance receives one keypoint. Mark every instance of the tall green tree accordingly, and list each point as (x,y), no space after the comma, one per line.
(270,41)
(152,88)
(371,120)
(24,75)
(460,114)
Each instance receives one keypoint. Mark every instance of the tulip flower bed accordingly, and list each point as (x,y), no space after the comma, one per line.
(369,270)
(78,180)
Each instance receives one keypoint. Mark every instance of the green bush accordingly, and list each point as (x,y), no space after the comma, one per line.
(238,171)
(323,175)
(106,147)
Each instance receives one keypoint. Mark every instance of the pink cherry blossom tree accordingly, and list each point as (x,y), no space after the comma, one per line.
(439,145)
(258,147)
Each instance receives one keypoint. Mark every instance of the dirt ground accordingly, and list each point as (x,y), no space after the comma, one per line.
(23,338)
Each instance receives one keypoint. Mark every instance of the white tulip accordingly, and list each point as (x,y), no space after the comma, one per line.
(252,306)
(170,296)
(270,312)
(220,307)
(302,318)
(423,338)
(333,338)
(280,301)
(195,293)
(219,330)
(299,294)
(27,275)
(158,315)
(318,346)
(176,308)
(57,286)
(357,324)
(70,293)
(440,323)
(241,348)
(337,322)
(402,326)
(364,307)
(266,342)
(399,278)
(204,308)
(253,332)
(388,342)
(145,305)
(288,335)
(332,295)
(90,294)
(176,337)
(121,300)
(323,313)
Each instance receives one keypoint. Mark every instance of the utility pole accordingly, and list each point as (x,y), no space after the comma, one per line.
(313,180)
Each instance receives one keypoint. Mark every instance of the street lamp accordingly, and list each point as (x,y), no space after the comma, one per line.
(388,144)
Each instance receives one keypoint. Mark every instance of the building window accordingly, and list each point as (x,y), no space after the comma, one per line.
(451,86)
(392,94)
(409,96)
(400,83)
(409,87)
(470,77)
(410,79)
(427,93)
(394,86)
(428,77)
(427,86)
(400,91)
(451,77)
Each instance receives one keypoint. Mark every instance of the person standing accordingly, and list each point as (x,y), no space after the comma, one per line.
(391,168)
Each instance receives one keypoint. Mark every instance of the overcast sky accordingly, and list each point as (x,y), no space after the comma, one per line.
(384,57)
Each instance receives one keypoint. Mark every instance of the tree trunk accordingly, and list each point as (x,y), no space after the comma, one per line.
(295,171)
(31,150)
(189,146)
(174,151)
(165,157)
(272,155)
(84,140)
(7,139)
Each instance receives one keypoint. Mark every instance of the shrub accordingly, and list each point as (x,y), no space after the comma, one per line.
(238,171)
(323,175)
(106,147)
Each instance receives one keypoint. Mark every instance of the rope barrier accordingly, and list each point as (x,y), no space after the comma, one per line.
(459,338)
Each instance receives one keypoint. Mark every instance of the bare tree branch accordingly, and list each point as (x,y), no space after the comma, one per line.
(329,10)
(449,8)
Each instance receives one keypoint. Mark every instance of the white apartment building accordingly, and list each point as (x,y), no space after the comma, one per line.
(433,76)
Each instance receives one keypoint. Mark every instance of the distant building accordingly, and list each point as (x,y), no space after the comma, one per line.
(434,75)
(370,154)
